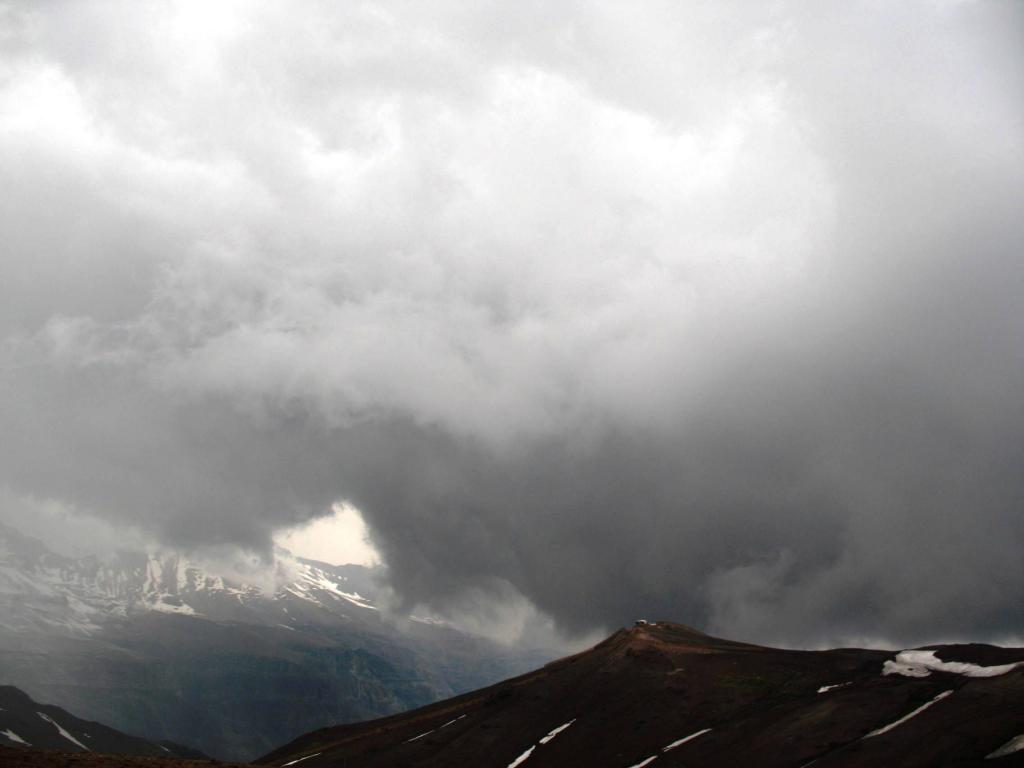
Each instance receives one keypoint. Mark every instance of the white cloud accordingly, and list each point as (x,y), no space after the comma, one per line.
(497,270)
(339,538)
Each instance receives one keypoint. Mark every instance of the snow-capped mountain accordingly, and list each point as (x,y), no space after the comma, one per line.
(165,647)
(41,591)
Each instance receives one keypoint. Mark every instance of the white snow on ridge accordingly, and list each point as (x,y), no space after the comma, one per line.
(923,663)
(78,596)
(160,606)
(907,670)
(670,747)
(427,733)
(827,688)
(522,758)
(551,735)
(555,732)
(417,738)
(12,736)
(154,575)
(62,732)
(310,577)
(1016,744)
(685,739)
(902,720)
(181,574)
(299,760)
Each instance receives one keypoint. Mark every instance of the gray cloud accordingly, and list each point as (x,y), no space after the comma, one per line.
(705,315)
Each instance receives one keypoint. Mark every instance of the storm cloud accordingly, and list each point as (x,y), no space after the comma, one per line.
(710,314)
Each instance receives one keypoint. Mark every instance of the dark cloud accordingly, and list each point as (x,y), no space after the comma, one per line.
(710,316)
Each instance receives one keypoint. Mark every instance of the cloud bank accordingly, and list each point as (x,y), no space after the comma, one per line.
(702,314)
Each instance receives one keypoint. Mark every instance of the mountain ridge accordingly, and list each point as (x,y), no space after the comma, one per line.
(666,694)
(25,724)
(96,589)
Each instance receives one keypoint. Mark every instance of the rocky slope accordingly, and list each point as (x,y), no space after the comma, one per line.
(665,695)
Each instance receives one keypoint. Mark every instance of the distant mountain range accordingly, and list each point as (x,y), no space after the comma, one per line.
(25,723)
(153,644)
(664,695)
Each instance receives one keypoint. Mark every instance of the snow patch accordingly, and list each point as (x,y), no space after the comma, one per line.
(907,670)
(427,733)
(827,688)
(1016,744)
(161,607)
(923,663)
(316,579)
(181,572)
(902,720)
(551,735)
(417,738)
(555,732)
(685,739)
(299,760)
(522,758)
(154,575)
(648,761)
(62,732)
(670,747)
(12,736)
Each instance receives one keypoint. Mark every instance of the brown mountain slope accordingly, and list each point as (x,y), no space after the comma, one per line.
(666,695)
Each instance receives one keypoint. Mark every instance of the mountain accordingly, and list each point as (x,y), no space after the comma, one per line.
(26,724)
(666,695)
(154,644)
(43,591)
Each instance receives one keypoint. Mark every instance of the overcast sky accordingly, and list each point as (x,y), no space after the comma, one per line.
(701,311)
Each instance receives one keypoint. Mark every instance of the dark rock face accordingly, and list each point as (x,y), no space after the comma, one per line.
(665,695)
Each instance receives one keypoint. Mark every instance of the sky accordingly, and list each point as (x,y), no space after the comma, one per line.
(339,537)
(703,312)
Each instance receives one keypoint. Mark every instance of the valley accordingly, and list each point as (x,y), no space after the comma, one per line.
(151,644)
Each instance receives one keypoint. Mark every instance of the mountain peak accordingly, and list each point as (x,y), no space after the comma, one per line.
(659,688)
